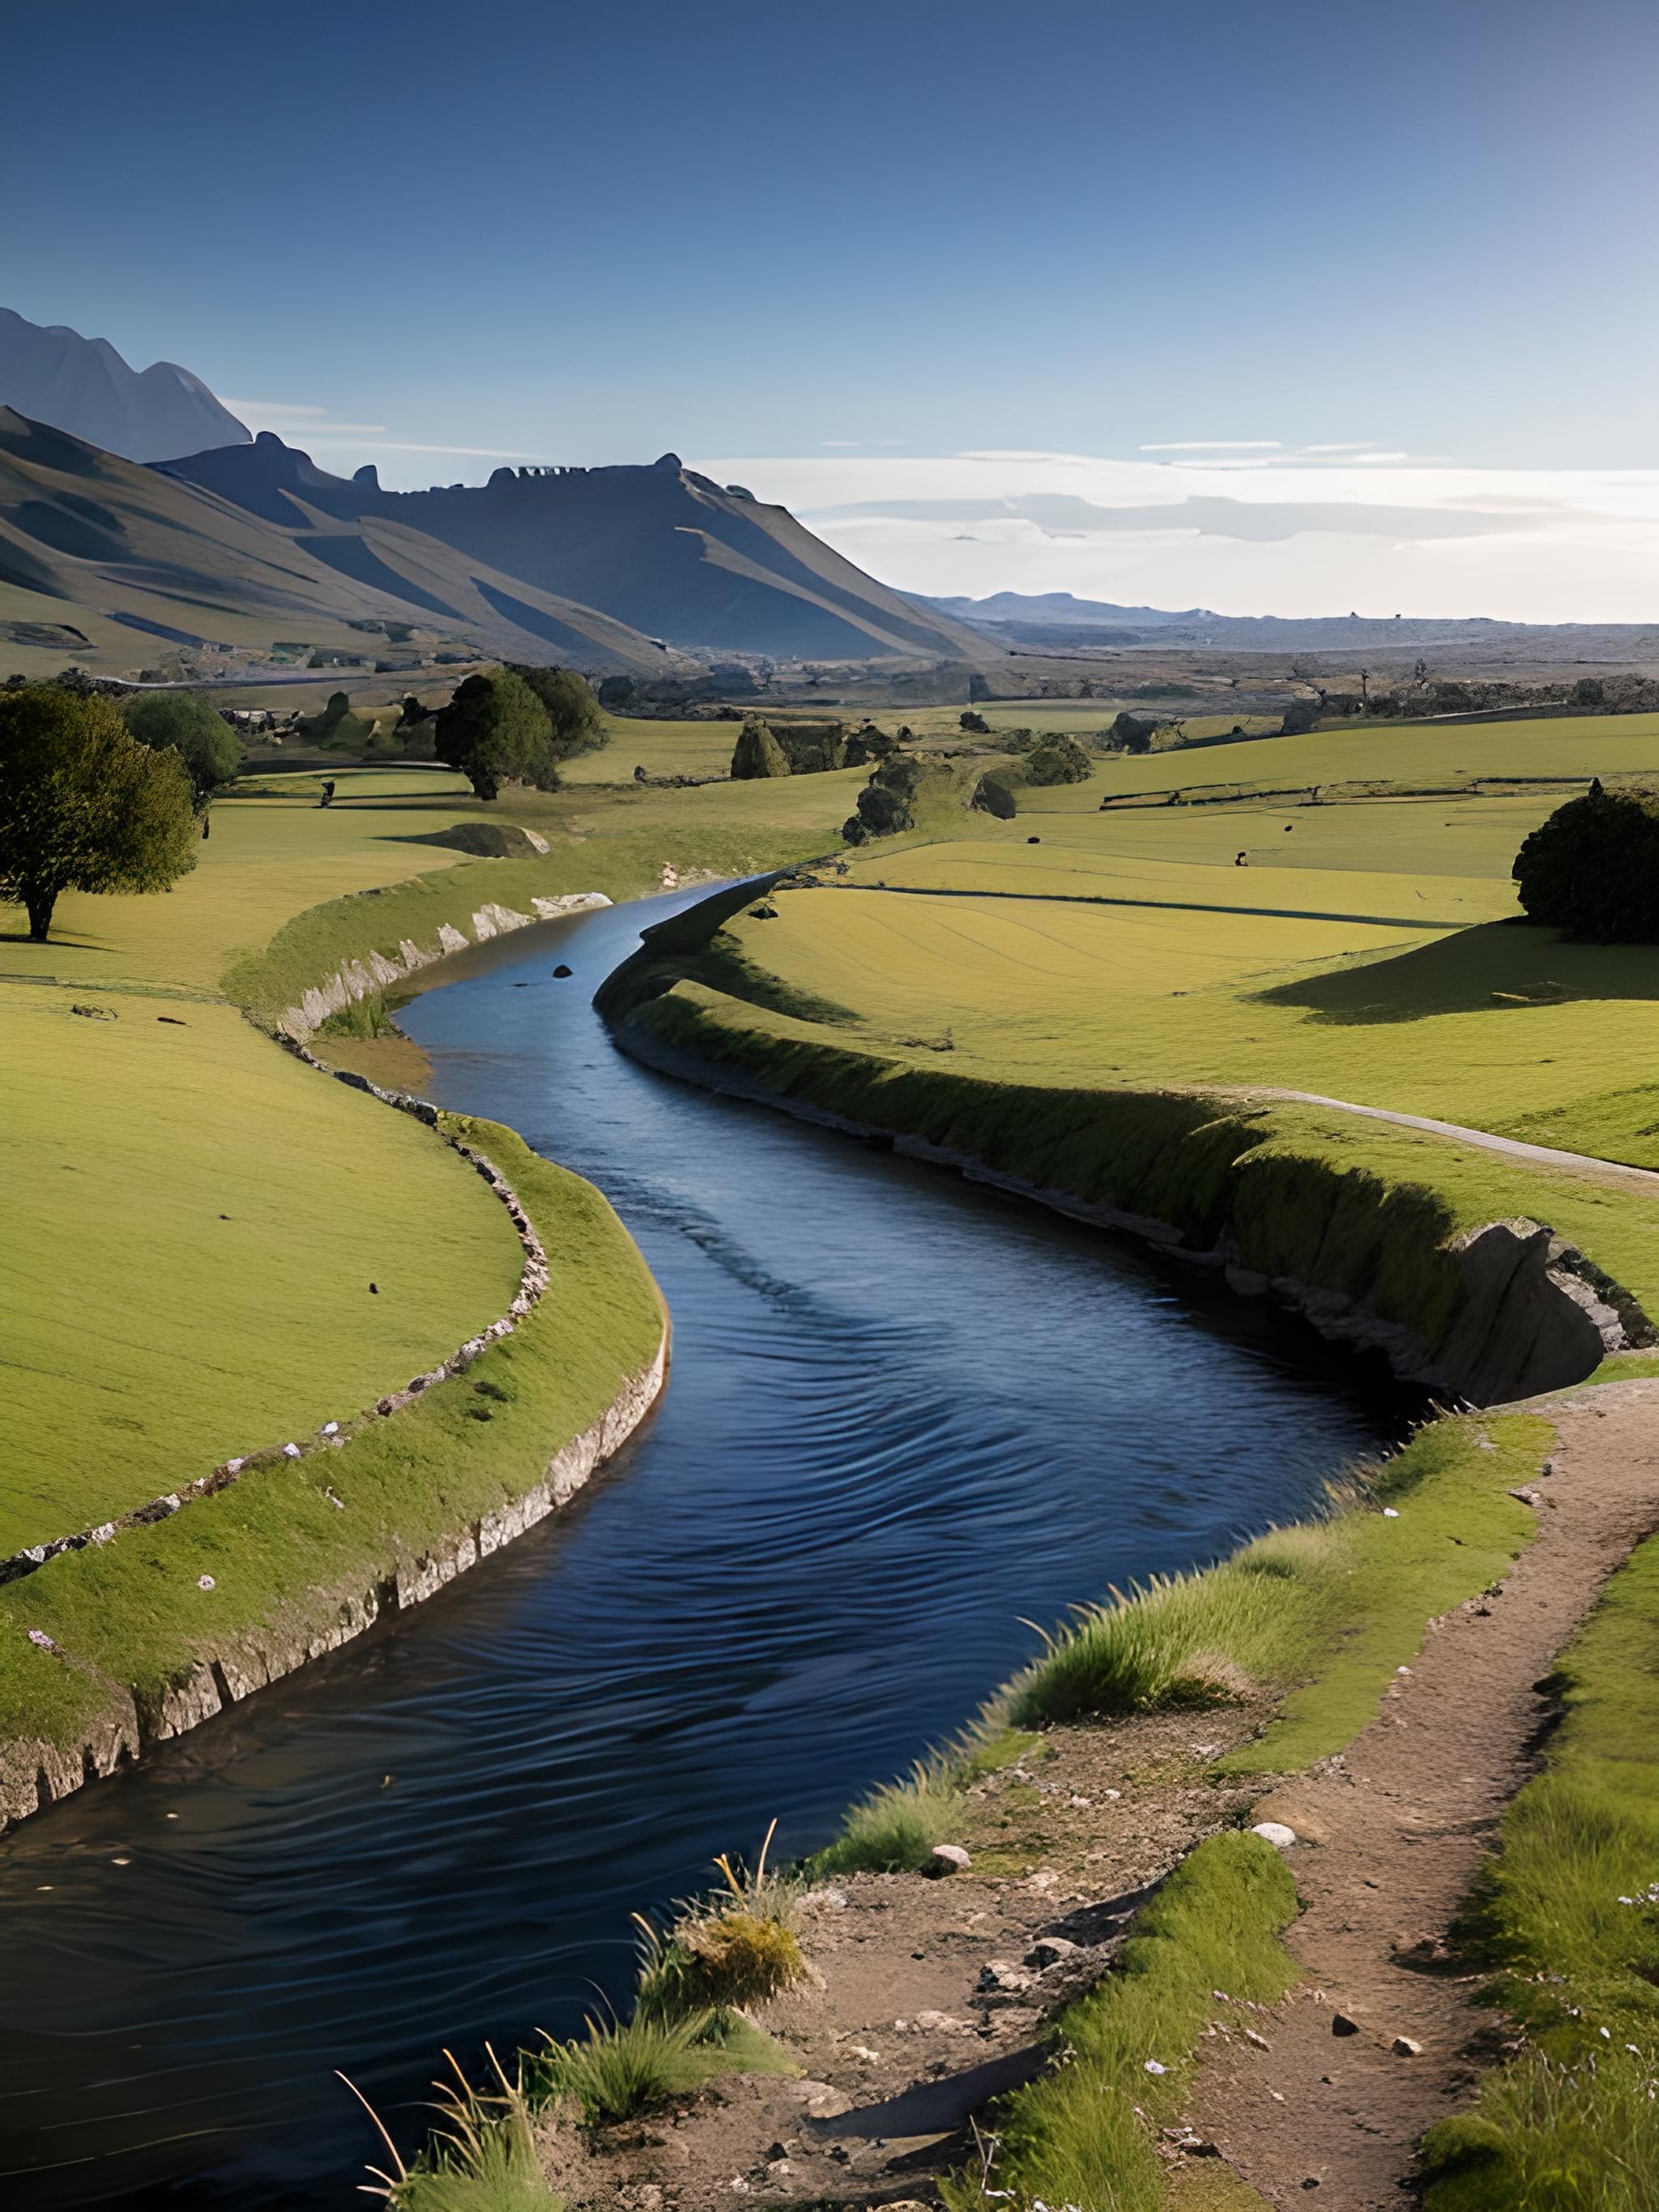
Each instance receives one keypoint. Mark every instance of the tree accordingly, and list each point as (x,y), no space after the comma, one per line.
(196,731)
(758,753)
(84,806)
(573,712)
(1593,868)
(495,731)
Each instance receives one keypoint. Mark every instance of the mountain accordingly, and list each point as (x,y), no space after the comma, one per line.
(662,549)
(94,548)
(1060,610)
(52,375)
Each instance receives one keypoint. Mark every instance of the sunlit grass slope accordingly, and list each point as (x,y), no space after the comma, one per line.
(145,1337)
(1481,1025)
(194,1223)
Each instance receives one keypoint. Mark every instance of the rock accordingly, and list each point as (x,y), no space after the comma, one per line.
(1049,1950)
(1403,2047)
(1342,2025)
(1276,1834)
(563,969)
(823,1900)
(1001,1976)
(943,2023)
(946,1859)
(1259,2040)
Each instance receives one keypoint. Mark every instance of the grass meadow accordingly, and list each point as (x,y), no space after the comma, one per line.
(193,1219)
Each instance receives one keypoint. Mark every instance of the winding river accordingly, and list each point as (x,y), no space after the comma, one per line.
(904,1412)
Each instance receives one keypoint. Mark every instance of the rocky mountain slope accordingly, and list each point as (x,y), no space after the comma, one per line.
(662,549)
(52,375)
(91,545)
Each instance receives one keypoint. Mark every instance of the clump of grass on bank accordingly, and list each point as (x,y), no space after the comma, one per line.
(620,2069)
(1084,2134)
(1339,1603)
(1326,1609)
(736,1947)
(481,2158)
(1568,1913)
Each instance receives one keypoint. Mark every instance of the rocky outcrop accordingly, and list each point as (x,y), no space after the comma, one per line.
(359,978)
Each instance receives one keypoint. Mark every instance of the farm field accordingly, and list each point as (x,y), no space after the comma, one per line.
(147,1337)
(1128,952)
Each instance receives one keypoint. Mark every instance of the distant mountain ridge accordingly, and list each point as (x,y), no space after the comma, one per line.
(52,375)
(661,549)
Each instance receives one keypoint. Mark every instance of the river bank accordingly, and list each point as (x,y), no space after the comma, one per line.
(573,1729)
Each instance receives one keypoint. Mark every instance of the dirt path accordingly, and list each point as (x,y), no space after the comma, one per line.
(1642,1179)
(1395,1830)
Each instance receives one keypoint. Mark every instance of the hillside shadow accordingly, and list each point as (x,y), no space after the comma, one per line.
(1495,965)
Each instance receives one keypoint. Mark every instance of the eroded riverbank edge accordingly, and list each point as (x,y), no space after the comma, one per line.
(99,1662)
(1492,1311)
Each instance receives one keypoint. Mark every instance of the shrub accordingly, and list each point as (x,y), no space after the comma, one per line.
(758,753)
(1593,868)
(1057,760)
(572,711)
(975,725)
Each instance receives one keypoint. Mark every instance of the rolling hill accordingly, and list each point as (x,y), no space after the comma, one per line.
(99,554)
(52,375)
(662,549)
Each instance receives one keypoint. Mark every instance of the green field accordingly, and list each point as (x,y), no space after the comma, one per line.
(147,1337)
(959,974)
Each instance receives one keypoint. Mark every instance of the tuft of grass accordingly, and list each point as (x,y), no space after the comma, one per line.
(482,2157)
(1084,2136)
(621,2069)
(736,1947)
(894,1829)
(1578,2137)
(1324,1610)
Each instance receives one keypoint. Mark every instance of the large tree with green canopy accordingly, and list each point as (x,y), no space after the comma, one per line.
(573,712)
(196,731)
(84,806)
(495,731)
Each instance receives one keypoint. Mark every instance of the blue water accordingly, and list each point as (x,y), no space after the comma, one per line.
(903,1413)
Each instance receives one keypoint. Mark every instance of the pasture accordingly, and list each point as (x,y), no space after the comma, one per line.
(193,1219)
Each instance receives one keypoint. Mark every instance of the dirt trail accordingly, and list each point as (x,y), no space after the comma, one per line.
(1395,1830)
(1645,1180)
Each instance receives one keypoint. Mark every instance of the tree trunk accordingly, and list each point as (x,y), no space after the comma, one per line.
(40,904)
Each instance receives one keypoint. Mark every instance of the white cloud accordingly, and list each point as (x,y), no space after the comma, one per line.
(1541,545)
(1358,446)
(1215,445)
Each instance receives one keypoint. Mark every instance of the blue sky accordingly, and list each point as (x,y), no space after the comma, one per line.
(916,228)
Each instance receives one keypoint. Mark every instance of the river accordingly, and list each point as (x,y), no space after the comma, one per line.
(904,1412)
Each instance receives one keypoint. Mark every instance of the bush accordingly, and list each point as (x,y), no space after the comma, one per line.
(883,811)
(572,711)
(1593,868)
(975,725)
(758,753)
(1057,760)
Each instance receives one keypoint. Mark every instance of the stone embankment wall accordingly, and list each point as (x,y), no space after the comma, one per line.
(359,978)
(34,1771)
